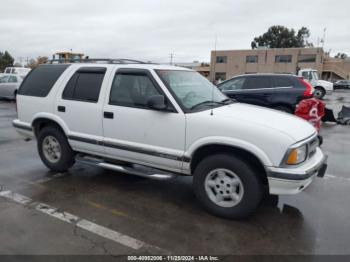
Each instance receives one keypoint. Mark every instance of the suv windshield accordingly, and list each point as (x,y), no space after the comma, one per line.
(192,90)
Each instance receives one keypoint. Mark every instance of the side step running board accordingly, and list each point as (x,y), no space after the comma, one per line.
(134,169)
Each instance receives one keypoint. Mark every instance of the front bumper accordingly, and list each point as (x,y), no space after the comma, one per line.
(295,179)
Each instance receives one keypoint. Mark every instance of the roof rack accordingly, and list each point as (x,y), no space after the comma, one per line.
(95,60)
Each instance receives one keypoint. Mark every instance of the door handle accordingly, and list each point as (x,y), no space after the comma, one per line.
(61,109)
(108,115)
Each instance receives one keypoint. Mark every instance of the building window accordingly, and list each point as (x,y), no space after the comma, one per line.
(221,59)
(283,59)
(252,59)
(307,59)
(220,76)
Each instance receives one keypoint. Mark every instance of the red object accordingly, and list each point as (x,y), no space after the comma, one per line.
(312,110)
(308,90)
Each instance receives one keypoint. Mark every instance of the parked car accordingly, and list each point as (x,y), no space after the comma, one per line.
(9,84)
(342,84)
(159,121)
(278,91)
(22,71)
(321,87)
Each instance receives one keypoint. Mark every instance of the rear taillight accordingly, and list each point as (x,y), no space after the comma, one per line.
(308,88)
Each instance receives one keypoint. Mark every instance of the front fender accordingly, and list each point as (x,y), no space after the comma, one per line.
(229,141)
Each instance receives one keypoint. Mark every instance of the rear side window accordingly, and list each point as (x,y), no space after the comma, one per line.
(257,82)
(280,81)
(85,85)
(40,80)
(234,84)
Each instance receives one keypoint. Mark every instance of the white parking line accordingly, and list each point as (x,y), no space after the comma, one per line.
(110,234)
(329,176)
(52,211)
(16,197)
(81,223)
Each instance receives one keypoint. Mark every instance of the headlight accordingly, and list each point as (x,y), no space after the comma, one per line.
(297,155)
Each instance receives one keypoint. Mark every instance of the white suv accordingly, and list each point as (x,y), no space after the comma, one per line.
(160,121)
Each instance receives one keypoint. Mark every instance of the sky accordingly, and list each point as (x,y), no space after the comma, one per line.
(151,30)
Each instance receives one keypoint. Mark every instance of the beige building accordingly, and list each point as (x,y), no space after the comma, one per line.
(228,63)
(202,68)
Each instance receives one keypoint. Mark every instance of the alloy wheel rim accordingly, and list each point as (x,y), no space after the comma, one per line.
(224,187)
(51,149)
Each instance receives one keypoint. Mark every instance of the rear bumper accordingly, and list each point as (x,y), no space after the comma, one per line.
(23,129)
(294,180)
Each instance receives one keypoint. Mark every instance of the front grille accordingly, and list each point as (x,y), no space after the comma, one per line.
(312,145)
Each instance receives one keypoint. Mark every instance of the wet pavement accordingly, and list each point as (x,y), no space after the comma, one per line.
(164,215)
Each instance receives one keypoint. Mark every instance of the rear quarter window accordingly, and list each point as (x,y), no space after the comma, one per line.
(85,84)
(40,80)
(282,81)
(257,82)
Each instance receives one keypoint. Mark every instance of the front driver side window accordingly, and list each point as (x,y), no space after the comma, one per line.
(4,79)
(132,89)
(234,84)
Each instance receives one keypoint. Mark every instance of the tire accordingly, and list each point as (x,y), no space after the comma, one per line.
(59,160)
(284,109)
(319,92)
(249,189)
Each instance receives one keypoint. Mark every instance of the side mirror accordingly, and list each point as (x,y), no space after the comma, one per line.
(157,102)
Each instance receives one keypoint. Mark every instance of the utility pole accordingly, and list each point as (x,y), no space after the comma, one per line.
(324,37)
(171,58)
(214,60)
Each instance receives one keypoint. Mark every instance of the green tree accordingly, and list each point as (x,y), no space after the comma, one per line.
(6,60)
(341,56)
(35,62)
(278,36)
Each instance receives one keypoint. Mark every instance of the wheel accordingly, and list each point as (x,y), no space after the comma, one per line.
(227,186)
(319,92)
(54,150)
(284,109)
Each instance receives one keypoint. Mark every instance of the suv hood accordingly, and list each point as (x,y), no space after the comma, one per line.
(296,128)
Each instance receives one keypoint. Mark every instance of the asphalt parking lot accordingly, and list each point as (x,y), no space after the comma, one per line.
(95,211)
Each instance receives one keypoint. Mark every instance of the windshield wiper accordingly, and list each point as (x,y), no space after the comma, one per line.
(207,102)
(228,101)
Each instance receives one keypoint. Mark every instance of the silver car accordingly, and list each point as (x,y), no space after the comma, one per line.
(9,84)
